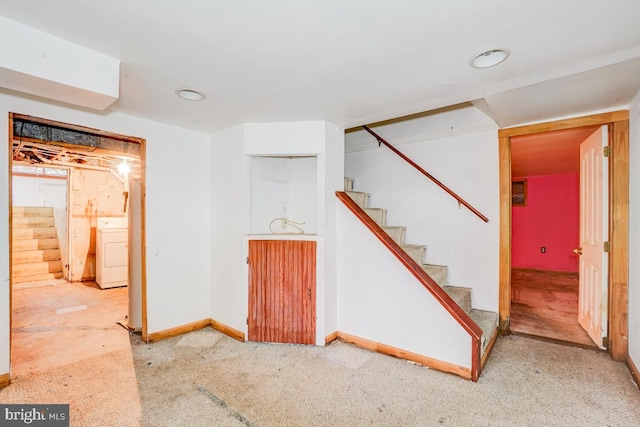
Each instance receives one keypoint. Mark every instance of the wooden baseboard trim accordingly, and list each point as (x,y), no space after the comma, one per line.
(190,327)
(178,330)
(227,330)
(407,355)
(331,338)
(5,380)
(542,270)
(634,371)
(487,351)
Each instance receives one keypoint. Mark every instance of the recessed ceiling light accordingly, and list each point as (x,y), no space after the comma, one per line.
(489,58)
(190,94)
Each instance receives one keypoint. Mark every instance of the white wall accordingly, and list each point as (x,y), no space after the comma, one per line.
(228,226)
(466,163)
(39,191)
(303,193)
(177,213)
(177,225)
(284,138)
(634,230)
(380,300)
(231,179)
(333,181)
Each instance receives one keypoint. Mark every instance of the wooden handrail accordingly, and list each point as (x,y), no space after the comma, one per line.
(425,280)
(427,174)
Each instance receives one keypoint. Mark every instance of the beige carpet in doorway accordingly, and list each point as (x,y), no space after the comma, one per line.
(207,379)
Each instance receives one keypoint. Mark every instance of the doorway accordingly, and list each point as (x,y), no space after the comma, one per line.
(546,202)
(62,310)
(617,222)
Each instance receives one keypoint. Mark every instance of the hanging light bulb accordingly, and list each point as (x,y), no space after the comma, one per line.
(124,168)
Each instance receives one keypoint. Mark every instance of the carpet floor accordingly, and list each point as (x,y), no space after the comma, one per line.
(207,379)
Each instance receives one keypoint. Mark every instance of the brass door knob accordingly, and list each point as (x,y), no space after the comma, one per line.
(577,251)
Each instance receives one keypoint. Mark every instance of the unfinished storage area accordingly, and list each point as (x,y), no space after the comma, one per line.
(70,278)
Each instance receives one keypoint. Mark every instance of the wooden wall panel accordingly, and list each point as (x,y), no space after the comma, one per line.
(91,194)
(282,291)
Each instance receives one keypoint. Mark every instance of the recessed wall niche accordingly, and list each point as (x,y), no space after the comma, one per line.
(519,192)
(283,195)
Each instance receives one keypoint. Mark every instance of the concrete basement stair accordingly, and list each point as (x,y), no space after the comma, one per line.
(35,246)
(486,320)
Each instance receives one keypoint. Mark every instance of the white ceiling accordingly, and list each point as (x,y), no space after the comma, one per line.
(352,62)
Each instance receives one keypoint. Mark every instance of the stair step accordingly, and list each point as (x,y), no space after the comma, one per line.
(462,296)
(34,244)
(396,233)
(361,199)
(416,252)
(31,211)
(37,268)
(33,221)
(437,273)
(488,322)
(379,216)
(348,184)
(24,257)
(36,277)
(34,233)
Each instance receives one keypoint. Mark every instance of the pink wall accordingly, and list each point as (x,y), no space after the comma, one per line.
(550,219)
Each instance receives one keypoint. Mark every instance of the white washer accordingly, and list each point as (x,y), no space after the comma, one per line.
(112,252)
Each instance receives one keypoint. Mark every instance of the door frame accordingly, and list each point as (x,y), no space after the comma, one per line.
(618,122)
(142,142)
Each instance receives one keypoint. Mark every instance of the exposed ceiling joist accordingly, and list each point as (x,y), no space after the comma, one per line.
(44,154)
(51,144)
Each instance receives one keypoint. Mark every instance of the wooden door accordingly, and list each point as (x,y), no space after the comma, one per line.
(594,172)
(282,291)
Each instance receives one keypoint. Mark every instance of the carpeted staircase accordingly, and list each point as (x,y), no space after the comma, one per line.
(486,320)
(35,247)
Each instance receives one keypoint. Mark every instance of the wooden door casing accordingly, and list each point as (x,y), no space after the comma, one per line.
(282,291)
(618,122)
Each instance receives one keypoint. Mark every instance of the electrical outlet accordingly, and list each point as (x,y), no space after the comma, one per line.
(543,249)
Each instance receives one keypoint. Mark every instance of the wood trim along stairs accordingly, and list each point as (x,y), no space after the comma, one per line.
(401,354)
(634,371)
(355,202)
(438,293)
(417,358)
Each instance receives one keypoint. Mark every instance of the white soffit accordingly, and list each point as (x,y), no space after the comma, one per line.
(457,120)
(37,63)
(606,88)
